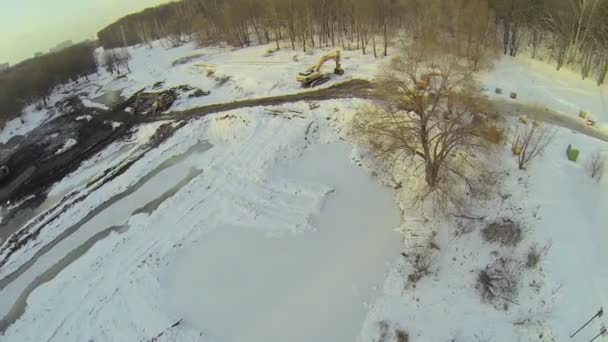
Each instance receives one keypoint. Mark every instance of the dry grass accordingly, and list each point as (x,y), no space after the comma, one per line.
(422,261)
(504,232)
(492,134)
(596,166)
(221,80)
(487,126)
(422,264)
(401,335)
(383,331)
(498,283)
(385,334)
(534,255)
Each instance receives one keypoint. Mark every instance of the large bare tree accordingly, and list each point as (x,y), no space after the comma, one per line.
(427,120)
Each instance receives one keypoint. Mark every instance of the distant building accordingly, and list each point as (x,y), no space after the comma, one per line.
(4,66)
(38,54)
(62,46)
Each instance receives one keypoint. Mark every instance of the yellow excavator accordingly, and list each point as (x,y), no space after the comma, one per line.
(313,76)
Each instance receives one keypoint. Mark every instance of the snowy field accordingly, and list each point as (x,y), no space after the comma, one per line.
(258,227)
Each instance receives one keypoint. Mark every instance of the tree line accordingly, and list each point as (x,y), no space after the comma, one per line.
(566,32)
(571,32)
(33,80)
(365,25)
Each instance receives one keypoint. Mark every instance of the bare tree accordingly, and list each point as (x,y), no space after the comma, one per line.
(596,166)
(427,122)
(108,60)
(122,58)
(530,143)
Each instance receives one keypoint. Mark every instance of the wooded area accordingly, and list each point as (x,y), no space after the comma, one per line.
(33,80)
(572,33)
(563,32)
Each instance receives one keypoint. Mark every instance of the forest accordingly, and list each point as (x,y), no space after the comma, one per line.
(565,33)
(32,81)
(570,33)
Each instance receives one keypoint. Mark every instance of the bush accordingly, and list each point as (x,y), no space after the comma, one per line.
(384,334)
(506,232)
(492,134)
(401,335)
(498,283)
(221,80)
(596,166)
(535,254)
(199,93)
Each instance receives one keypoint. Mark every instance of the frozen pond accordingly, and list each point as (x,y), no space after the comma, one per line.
(240,285)
(144,196)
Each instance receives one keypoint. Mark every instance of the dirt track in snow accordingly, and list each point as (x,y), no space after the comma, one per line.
(542,114)
(356,88)
(359,88)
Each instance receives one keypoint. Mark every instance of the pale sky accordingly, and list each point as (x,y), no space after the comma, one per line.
(29,26)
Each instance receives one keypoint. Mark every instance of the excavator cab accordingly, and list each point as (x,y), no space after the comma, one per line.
(313,76)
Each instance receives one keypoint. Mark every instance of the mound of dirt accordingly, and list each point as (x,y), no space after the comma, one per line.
(143,103)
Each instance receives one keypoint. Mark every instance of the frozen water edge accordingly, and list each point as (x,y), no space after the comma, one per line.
(311,286)
(14,290)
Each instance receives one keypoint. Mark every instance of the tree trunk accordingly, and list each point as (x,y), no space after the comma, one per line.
(374,44)
(505,38)
(276,37)
(603,70)
(586,64)
(385,38)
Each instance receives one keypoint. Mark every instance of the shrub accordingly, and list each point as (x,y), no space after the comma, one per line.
(533,257)
(401,335)
(506,232)
(596,166)
(498,283)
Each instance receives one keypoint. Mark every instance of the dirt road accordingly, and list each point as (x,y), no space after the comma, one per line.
(356,88)
(542,114)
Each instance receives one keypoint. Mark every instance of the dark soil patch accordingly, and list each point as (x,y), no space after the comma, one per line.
(36,162)
(356,88)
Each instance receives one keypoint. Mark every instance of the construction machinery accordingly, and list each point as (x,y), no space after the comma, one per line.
(313,76)
(425,80)
(421,91)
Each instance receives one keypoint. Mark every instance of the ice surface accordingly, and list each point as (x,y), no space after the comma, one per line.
(240,285)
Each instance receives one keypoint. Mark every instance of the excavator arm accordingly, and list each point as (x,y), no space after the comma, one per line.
(334,56)
(313,76)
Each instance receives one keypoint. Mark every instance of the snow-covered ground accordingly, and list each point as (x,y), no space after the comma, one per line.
(229,74)
(275,284)
(539,83)
(298,241)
